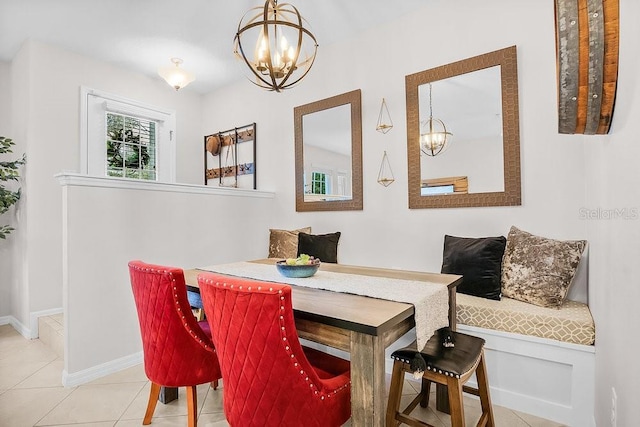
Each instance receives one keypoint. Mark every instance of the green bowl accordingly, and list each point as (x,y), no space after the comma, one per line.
(297,270)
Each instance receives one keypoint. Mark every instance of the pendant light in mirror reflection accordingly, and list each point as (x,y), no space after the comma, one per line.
(385,123)
(275,43)
(175,76)
(434,137)
(385,175)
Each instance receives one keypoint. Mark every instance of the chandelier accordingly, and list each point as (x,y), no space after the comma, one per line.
(275,45)
(175,76)
(434,137)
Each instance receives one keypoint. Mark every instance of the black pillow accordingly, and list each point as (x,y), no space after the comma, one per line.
(478,260)
(321,246)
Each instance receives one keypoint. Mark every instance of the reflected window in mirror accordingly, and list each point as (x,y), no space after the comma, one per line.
(328,143)
(327,154)
(477,99)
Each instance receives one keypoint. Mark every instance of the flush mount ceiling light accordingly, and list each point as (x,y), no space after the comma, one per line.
(176,76)
(275,45)
(434,137)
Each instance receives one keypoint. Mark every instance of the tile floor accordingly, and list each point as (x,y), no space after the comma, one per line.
(31,394)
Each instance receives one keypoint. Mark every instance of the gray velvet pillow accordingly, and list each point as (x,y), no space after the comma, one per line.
(539,270)
(283,244)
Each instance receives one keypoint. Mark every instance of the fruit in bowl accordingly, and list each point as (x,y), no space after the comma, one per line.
(303,266)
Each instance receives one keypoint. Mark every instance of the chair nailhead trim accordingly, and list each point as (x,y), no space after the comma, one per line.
(287,348)
(429,368)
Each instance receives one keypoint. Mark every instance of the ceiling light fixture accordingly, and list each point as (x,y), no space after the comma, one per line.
(434,137)
(275,63)
(176,76)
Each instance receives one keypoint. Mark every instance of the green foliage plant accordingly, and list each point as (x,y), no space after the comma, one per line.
(8,172)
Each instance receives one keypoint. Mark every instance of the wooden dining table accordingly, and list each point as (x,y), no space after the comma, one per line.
(362,326)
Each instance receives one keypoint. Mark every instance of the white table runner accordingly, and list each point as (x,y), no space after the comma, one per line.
(431,300)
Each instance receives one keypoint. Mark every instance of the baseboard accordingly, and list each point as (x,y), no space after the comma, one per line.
(17,325)
(99,371)
(33,320)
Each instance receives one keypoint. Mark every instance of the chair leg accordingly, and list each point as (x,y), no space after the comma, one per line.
(483,391)
(214,384)
(426,392)
(456,404)
(192,406)
(395,393)
(151,406)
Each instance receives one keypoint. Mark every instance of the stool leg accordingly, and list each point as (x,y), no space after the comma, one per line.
(483,390)
(395,393)
(456,404)
(426,392)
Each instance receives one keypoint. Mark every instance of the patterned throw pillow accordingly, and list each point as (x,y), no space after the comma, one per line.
(539,270)
(283,244)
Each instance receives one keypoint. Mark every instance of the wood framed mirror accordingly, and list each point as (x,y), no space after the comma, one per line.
(477,98)
(328,153)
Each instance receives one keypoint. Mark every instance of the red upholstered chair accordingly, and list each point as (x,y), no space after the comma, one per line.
(269,378)
(177,352)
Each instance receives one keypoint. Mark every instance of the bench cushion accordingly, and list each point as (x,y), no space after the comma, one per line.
(571,323)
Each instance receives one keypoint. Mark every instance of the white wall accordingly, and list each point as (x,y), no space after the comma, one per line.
(613,181)
(5,246)
(16,288)
(105,228)
(560,174)
(5,96)
(51,135)
(377,62)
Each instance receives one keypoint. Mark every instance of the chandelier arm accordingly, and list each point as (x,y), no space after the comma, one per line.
(294,61)
(241,29)
(258,76)
(265,33)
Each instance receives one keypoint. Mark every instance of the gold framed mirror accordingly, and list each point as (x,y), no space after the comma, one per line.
(479,98)
(328,153)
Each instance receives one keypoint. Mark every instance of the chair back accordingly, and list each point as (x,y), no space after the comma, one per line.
(268,380)
(176,351)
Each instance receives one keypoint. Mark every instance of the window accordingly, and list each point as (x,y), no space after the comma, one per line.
(122,138)
(131,147)
(319,183)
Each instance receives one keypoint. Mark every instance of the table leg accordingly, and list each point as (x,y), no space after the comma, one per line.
(442,393)
(168,394)
(368,400)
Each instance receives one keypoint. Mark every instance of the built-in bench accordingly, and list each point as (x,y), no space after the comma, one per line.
(540,360)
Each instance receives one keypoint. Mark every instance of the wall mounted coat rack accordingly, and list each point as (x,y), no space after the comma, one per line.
(230,157)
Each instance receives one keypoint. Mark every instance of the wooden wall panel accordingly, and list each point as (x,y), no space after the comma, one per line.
(587,62)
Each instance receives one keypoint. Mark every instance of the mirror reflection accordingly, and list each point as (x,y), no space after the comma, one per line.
(328,144)
(327,154)
(470,106)
(477,100)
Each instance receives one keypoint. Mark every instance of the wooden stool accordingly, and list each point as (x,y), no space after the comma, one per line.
(451,358)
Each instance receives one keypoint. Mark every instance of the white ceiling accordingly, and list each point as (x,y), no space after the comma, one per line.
(142,35)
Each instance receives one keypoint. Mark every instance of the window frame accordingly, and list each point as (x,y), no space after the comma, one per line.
(93,149)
